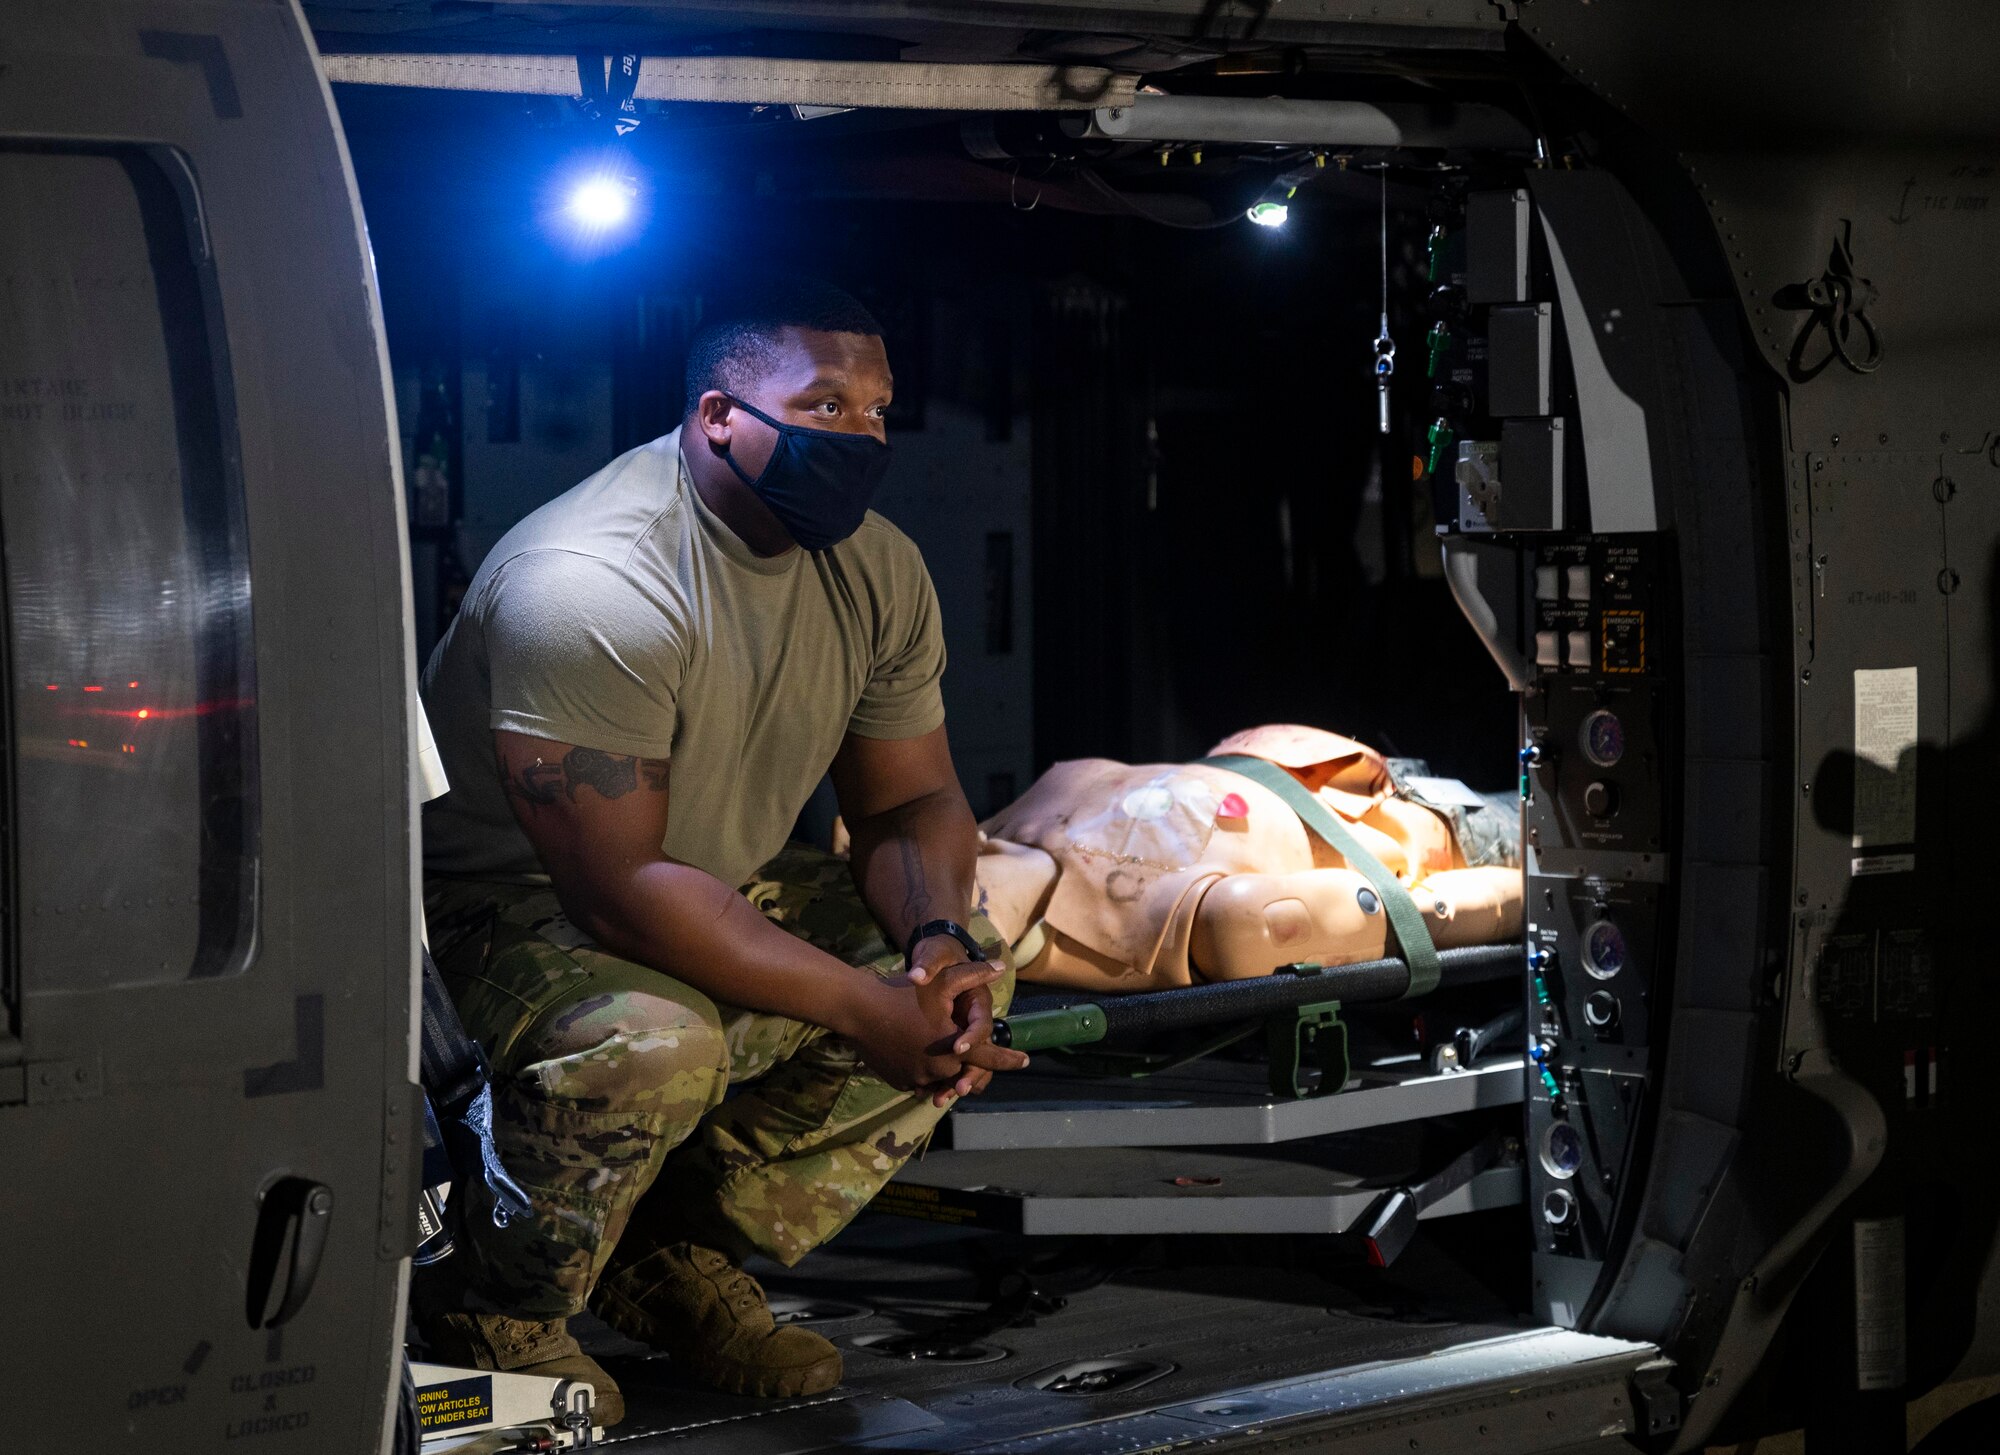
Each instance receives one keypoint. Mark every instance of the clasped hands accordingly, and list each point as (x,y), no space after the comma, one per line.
(931,1028)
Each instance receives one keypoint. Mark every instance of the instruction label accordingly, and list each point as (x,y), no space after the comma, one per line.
(1908,981)
(1879,1357)
(455,1402)
(1845,980)
(933,1205)
(1862,865)
(1885,768)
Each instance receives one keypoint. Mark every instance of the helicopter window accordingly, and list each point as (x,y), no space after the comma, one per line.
(133,813)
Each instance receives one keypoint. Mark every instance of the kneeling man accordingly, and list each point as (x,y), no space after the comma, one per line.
(713,620)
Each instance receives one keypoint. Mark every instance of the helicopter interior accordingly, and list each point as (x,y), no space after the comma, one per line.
(1451,381)
(1171,479)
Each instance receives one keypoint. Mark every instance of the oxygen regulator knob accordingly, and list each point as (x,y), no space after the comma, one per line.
(1453,401)
(1539,958)
(1446,304)
(1531,756)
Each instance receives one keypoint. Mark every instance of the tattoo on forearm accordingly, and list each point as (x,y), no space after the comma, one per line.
(916,884)
(901,824)
(610,774)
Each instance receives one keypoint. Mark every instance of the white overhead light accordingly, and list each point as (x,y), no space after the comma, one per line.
(600,203)
(1273,208)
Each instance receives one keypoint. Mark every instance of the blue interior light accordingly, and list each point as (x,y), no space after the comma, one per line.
(601,202)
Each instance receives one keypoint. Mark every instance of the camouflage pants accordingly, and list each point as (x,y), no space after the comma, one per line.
(608,1093)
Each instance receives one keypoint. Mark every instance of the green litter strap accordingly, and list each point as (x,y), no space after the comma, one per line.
(1413,936)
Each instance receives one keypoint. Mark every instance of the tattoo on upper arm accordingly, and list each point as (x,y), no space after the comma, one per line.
(611,774)
(539,782)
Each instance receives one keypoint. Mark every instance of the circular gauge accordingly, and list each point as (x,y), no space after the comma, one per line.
(1558,1207)
(1562,1150)
(1603,738)
(1369,901)
(1604,949)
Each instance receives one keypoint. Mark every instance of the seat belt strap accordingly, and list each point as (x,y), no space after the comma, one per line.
(1413,936)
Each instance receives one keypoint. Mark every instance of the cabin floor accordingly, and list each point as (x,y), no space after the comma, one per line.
(1020,1342)
(990,1324)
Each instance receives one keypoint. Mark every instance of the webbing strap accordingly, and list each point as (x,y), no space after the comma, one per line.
(454,1075)
(1413,936)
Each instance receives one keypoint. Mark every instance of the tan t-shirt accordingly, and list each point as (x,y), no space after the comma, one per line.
(623,616)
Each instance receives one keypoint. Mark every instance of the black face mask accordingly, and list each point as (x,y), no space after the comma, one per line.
(818,482)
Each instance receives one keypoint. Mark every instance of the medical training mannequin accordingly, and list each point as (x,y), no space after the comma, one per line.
(1113,877)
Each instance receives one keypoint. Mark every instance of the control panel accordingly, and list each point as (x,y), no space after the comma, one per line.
(1580,616)
(1497,447)
(1595,831)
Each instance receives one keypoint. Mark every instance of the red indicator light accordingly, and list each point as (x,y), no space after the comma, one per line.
(127,748)
(54,687)
(93,689)
(145,712)
(131,684)
(78,743)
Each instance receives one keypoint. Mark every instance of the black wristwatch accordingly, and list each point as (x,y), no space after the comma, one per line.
(941,927)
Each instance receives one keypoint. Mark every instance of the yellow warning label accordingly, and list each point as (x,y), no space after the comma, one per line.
(454,1403)
(1624,641)
(914,1200)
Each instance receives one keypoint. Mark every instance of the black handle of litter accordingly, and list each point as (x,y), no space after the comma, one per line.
(1229,1000)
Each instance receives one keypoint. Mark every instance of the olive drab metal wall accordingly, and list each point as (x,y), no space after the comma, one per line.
(206,1109)
(1824,1110)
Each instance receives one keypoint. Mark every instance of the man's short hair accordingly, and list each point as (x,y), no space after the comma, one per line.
(737,344)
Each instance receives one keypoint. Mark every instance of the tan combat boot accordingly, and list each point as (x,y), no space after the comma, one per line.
(712,1320)
(519,1346)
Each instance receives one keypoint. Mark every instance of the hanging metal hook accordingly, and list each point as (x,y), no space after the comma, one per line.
(1385,346)
(1013,199)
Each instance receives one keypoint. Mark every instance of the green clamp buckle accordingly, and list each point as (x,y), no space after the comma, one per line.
(1307,1036)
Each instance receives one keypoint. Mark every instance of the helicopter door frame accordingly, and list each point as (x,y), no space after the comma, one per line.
(207,1105)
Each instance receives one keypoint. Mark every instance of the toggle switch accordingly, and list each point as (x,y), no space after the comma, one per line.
(1547,581)
(1578,583)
